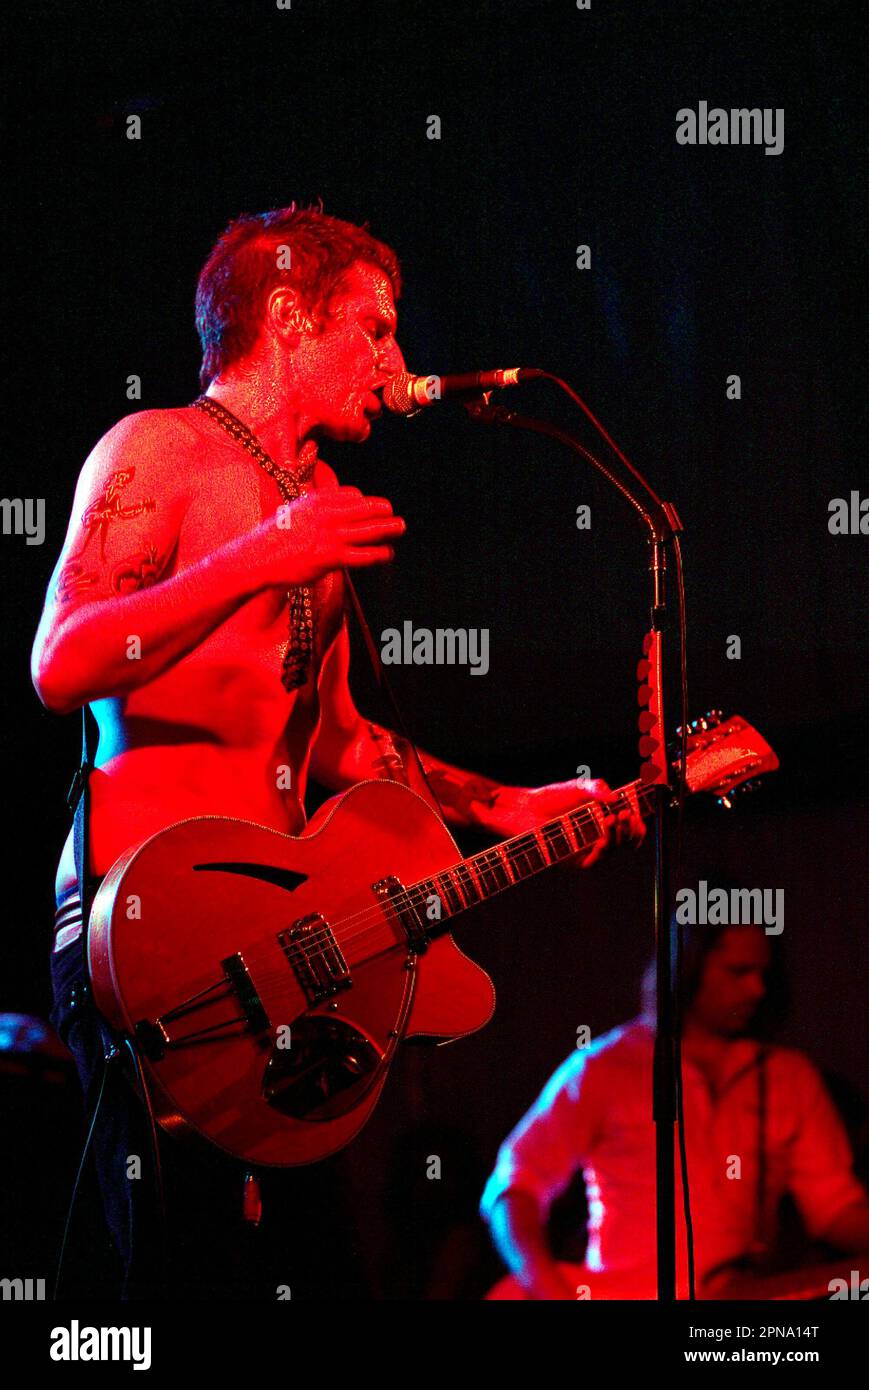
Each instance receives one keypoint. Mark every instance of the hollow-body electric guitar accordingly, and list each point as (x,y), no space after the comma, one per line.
(268,979)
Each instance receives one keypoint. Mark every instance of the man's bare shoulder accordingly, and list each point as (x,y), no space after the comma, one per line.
(154,438)
(154,449)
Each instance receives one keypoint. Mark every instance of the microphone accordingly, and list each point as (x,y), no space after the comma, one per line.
(404,394)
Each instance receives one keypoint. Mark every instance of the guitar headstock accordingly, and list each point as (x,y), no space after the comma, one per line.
(724,755)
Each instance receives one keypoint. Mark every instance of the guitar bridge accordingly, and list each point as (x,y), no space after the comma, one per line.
(317,959)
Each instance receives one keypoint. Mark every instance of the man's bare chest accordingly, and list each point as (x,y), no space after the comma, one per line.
(230,498)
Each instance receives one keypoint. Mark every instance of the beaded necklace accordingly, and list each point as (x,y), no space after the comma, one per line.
(296,661)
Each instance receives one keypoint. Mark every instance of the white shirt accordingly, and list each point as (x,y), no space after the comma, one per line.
(595,1113)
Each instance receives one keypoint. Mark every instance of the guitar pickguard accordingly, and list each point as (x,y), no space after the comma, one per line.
(331,1063)
(324,1074)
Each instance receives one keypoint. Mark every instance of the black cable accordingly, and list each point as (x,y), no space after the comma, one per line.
(160,1190)
(142,1086)
(75,1186)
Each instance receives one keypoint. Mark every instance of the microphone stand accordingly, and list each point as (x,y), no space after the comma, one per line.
(662,524)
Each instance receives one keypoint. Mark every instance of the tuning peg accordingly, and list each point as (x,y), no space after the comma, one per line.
(744,789)
(710,720)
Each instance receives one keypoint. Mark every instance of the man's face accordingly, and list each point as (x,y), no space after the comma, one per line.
(356,353)
(733,981)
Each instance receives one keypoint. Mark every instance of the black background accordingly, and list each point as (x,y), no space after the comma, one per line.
(558,128)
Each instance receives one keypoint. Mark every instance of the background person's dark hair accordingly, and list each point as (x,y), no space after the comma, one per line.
(698,941)
(245,265)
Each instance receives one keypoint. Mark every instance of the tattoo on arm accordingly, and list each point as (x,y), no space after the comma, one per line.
(137,571)
(460,791)
(73,579)
(109,507)
(390,763)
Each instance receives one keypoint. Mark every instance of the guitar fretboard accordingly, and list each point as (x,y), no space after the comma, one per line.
(480,877)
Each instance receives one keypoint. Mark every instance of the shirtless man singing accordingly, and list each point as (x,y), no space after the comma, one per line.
(198,604)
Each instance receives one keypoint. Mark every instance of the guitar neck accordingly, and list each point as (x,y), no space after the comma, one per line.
(473,881)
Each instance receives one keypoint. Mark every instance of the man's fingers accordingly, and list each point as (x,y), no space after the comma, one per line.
(361,531)
(351,500)
(358,557)
(594,854)
(593,786)
(619,826)
(630,826)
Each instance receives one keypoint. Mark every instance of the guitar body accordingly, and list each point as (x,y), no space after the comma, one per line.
(266,979)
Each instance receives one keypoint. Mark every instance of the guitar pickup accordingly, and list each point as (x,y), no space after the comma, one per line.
(317,959)
(392,891)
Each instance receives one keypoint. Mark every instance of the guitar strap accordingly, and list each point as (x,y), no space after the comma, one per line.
(79,802)
(383,682)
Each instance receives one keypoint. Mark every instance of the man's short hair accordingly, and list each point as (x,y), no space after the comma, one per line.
(302,247)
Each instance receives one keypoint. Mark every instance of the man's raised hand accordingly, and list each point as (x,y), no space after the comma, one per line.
(325,530)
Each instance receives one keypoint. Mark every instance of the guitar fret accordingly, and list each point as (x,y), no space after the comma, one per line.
(528,858)
(491,863)
(452,890)
(514,858)
(557,839)
(485,872)
(534,856)
(468,882)
(587,829)
(543,848)
(478,886)
(433,888)
(566,823)
(506,866)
